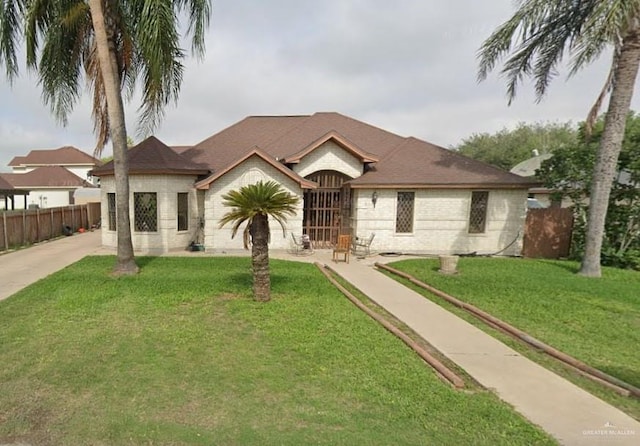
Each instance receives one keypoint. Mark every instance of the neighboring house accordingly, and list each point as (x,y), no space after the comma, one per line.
(47,187)
(8,195)
(53,177)
(74,160)
(351,177)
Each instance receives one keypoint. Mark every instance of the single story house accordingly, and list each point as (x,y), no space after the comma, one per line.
(351,177)
(8,195)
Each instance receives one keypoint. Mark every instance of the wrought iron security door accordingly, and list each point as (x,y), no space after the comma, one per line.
(327,208)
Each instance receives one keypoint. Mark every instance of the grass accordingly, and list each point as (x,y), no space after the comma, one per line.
(594,320)
(181,354)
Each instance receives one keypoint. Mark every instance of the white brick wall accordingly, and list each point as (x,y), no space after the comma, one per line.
(441,219)
(44,198)
(440,216)
(329,156)
(249,172)
(166,187)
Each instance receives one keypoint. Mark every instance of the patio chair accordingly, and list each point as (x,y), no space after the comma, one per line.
(301,244)
(343,247)
(363,245)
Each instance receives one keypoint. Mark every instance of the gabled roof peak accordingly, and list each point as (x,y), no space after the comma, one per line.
(340,140)
(65,155)
(257,151)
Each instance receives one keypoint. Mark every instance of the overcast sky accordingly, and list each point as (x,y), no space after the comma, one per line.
(407,66)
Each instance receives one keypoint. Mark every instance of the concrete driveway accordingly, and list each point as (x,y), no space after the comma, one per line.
(26,266)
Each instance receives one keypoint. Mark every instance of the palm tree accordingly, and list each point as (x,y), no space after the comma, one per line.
(536,39)
(109,43)
(254,204)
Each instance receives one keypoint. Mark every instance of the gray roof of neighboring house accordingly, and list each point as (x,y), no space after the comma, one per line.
(63,156)
(45,177)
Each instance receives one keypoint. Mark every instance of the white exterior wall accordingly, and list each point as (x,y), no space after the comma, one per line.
(44,198)
(441,221)
(249,172)
(80,170)
(329,156)
(167,188)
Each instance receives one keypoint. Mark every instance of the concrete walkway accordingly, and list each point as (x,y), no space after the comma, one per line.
(26,266)
(568,413)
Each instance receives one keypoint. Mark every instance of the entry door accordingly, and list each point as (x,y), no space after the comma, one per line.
(325,212)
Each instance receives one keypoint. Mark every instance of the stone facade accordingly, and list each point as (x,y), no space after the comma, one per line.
(167,237)
(250,171)
(441,221)
(329,156)
(440,216)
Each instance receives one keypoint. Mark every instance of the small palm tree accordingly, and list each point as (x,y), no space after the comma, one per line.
(254,204)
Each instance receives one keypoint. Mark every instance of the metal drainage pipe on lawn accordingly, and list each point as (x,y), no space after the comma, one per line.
(612,382)
(440,368)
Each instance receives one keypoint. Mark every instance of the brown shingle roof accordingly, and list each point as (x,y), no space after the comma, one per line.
(397,161)
(338,139)
(62,156)
(153,156)
(5,186)
(45,177)
(402,161)
(224,148)
(417,163)
(306,184)
(368,138)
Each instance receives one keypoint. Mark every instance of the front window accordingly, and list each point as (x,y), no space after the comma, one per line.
(404,212)
(145,208)
(478,212)
(111,208)
(183,211)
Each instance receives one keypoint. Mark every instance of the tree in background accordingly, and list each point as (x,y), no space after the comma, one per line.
(253,205)
(536,38)
(569,174)
(507,148)
(113,46)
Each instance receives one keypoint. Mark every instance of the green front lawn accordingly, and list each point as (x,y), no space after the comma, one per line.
(182,355)
(594,320)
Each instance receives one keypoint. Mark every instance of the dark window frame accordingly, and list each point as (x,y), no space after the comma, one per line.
(478,211)
(182,211)
(145,211)
(111,211)
(405,212)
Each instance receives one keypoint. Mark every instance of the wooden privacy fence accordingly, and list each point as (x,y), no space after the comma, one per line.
(547,233)
(25,227)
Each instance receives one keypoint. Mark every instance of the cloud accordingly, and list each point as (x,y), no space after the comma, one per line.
(409,67)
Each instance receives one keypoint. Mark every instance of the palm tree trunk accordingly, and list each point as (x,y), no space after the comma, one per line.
(260,258)
(108,65)
(607,158)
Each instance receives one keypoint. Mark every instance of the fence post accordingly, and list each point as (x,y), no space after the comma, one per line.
(24,227)
(51,230)
(37,225)
(6,237)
